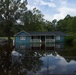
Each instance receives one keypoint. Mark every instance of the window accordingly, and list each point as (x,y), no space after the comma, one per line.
(57,37)
(22,47)
(57,46)
(22,38)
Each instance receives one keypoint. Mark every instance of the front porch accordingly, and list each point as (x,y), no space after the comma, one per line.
(42,39)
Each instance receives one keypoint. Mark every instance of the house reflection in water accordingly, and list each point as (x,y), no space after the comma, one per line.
(22,46)
(44,62)
(54,46)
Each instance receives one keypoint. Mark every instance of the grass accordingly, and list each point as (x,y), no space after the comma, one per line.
(7,38)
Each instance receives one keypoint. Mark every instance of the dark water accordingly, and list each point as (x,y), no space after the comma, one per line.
(37,59)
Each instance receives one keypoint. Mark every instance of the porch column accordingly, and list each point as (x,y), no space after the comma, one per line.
(45,39)
(55,38)
(45,42)
(40,37)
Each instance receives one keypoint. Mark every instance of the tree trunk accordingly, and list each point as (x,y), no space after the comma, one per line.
(9,39)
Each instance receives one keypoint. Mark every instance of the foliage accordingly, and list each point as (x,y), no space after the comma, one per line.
(68,25)
(69,39)
(10,13)
(33,20)
(15,17)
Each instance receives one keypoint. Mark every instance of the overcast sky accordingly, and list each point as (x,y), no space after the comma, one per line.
(54,9)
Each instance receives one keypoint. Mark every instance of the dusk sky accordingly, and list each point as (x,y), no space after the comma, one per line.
(54,9)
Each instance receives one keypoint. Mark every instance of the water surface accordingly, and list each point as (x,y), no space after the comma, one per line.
(38,59)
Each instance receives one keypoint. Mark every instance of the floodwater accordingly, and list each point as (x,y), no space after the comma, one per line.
(38,59)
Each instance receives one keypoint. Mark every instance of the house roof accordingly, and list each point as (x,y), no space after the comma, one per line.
(47,33)
(42,33)
(20,33)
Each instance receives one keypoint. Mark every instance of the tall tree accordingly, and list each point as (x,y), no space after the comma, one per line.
(11,11)
(33,20)
(49,26)
(54,23)
(62,24)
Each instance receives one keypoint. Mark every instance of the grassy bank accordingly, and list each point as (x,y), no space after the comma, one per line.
(7,38)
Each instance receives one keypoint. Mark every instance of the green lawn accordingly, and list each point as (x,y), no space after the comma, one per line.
(7,38)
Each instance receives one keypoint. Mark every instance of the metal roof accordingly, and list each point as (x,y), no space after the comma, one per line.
(17,34)
(43,33)
(47,33)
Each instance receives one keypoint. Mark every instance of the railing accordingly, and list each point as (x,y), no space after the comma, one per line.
(39,40)
(35,45)
(35,40)
(50,40)
(50,45)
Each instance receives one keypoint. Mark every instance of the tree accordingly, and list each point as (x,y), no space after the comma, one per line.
(72,25)
(54,23)
(33,20)
(49,26)
(61,25)
(11,11)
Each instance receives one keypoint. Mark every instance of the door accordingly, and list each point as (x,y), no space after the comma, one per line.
(43,39)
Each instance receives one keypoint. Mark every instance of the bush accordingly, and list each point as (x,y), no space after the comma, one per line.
(69,39)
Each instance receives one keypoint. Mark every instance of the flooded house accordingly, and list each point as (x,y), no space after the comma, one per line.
(54,46)
(39,37)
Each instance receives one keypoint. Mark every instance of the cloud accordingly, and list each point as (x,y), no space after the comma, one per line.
(45,3)
(30,7)
(49,4)
(63,11)
(63,2)
(47,17)
(54,9)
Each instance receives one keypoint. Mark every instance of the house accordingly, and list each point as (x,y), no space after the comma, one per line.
(54,46)
(39,37)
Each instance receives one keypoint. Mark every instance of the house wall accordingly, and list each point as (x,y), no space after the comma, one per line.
(22,46)
(18,38)
(37,39)
(49,40)
(19,41)
(61,39)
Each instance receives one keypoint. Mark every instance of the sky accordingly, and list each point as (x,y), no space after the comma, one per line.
(54,9)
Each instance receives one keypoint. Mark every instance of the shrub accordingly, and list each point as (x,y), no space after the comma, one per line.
(69,39)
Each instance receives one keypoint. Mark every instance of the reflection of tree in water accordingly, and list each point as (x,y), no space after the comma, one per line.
(32,61)
(5,59)
(29,62)
(69,53)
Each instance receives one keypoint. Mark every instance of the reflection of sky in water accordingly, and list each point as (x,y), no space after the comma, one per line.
(57,65)
(39,62)
(52,65)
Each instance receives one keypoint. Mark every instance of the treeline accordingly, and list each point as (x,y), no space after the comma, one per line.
(68,25)
(14,17)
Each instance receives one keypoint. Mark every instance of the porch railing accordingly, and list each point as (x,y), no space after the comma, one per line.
(50,40)
(35,40)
